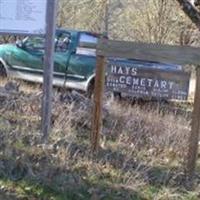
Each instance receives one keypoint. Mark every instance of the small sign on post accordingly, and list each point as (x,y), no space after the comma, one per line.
(21,17)
(34,17)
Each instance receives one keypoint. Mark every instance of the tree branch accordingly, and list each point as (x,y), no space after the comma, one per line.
(190,11)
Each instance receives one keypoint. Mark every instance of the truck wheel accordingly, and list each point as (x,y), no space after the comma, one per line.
(90,91)
(117,95)
(2,70)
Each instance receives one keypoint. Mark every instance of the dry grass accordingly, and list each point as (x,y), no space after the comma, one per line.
(141,156)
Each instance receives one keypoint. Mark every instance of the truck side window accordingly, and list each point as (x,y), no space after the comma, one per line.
(34,43)
(87,44)
(88,40)
(62,42)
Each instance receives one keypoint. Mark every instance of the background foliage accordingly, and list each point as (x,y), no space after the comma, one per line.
(160,21)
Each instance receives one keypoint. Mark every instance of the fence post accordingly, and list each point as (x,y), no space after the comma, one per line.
(98,100)
(195,126)
(48,67)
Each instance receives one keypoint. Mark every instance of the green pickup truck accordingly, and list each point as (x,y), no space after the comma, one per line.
(74,63)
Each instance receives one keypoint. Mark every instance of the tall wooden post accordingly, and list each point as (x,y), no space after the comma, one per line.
(48,67)
(106,20)
(194,137)
(98,100)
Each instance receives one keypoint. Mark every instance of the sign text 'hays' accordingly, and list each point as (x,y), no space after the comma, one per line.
(149,83)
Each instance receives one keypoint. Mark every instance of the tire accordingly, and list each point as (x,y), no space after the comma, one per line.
(90,90)
(117,95)
(2,70)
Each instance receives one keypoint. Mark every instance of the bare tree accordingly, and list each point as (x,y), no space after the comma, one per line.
(150,21)
(191,11)
(86,14)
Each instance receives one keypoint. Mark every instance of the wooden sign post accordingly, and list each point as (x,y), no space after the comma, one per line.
(151,52)
(147,82)
(48,67)
(195,128)
(98,100)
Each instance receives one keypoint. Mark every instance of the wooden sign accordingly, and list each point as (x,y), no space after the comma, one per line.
(153,52)
(141,82)
(147,82)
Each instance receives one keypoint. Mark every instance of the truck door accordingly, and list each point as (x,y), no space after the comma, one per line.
(29,57)
(62,53)
(82,63)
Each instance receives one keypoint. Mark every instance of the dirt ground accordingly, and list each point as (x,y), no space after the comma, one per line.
(141,154)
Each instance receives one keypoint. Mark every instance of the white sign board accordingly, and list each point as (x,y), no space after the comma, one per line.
(23,16)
